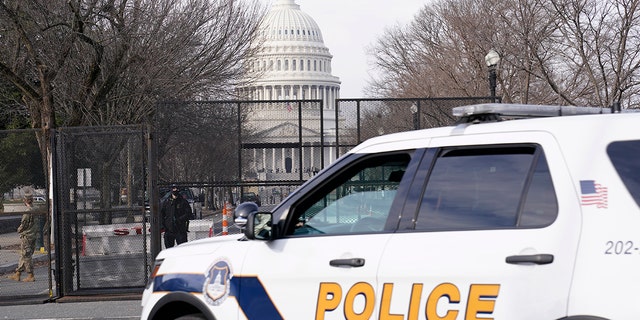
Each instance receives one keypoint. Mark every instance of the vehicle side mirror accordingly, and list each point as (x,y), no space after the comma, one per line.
(241,213)
(259,225)
(240,222)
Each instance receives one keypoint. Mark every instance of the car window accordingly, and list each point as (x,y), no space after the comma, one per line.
(355,201)
(624,156)
(487,187)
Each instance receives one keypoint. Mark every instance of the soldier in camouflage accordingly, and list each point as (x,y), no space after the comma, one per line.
(28,230)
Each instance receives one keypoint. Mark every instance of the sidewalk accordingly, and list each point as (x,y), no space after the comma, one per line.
(10,253)
(12,292)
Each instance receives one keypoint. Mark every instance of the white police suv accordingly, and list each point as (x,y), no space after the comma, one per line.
(487,219)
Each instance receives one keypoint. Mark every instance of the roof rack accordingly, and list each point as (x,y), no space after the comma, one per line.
(491,112)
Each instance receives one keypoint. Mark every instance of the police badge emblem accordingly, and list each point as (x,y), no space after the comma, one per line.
(217,283)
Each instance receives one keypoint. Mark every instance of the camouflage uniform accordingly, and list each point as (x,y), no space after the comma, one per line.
(28,230)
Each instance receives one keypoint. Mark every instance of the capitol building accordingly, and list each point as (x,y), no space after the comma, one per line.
(293,64)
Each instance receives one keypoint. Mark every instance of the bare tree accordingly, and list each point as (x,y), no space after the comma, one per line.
(198,148)
(439,54)
(553,51)
(95,62)
(597,52)
(98,62)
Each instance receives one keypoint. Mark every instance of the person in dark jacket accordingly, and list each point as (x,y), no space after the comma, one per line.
(175,213)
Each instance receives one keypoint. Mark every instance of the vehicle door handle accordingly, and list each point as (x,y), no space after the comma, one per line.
(353,262)
(542,258)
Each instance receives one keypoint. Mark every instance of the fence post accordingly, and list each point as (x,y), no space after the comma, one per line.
(152,193)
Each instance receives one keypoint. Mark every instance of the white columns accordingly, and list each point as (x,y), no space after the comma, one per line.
(312,156)
(273,159)
(293,160)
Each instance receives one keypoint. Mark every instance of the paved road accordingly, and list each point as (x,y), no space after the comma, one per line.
(123,310)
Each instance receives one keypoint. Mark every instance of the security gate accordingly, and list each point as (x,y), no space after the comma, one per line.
(101,231)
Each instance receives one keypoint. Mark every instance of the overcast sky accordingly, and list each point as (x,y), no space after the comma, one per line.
(349,27)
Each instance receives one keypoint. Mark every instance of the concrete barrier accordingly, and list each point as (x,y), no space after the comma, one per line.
(123,238)
(14,207)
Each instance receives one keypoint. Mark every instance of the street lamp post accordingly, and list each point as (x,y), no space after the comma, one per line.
(492,59)
(415,116)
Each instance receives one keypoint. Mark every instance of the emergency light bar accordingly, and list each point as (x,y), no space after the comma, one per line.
(496,111)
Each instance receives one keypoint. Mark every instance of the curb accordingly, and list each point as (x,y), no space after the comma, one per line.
(7,268)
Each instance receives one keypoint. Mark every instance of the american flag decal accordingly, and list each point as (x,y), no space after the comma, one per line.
(593,194)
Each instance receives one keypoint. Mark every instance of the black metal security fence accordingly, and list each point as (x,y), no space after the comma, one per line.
(223,152)
(361,119)
(101,233)
(233,150)
(261,143)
